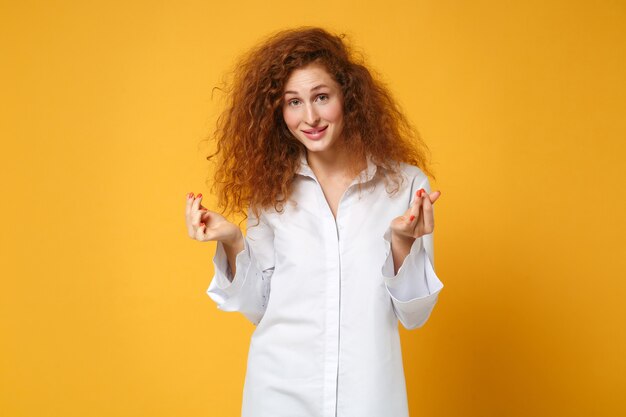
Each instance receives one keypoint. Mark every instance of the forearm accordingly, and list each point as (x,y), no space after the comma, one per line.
(232,249)
(400,248)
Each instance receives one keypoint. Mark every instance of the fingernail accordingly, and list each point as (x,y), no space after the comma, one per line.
(199,196)
(421,192)
(189,195)
(411,218)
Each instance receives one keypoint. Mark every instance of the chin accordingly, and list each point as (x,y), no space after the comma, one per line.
(317,147)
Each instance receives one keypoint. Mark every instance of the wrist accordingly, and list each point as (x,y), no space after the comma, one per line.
(401,240)
(234,241)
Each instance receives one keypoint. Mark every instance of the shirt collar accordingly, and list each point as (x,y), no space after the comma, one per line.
(364,176)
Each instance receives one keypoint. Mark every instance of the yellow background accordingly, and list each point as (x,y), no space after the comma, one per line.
(104,105)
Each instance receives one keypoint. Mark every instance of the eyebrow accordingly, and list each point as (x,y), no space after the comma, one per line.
(317,87)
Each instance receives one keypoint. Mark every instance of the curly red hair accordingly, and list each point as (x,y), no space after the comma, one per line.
(258,156)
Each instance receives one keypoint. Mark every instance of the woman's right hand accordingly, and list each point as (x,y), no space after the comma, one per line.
(205,225)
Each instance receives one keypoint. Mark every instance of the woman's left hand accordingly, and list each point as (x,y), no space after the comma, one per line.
(418,220)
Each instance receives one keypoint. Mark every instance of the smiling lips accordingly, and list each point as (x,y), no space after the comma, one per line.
(315,133)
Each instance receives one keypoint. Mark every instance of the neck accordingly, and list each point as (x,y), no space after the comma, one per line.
(337,163)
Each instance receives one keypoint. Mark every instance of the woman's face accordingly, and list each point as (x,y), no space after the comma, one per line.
(313,108)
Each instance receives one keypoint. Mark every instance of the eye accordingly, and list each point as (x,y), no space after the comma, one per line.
(293,102)
(322,97)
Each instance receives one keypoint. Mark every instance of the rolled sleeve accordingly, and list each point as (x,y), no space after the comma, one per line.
(248,290)
(223,285)
(415,288)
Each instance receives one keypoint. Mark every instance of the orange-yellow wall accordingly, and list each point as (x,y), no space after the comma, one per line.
(103,106)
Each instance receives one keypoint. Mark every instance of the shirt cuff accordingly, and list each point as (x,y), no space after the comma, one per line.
(223,280)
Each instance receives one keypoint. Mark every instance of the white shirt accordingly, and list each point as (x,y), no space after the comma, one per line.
(325,300)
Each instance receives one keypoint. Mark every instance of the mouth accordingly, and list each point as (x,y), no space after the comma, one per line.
(315,134)
(314,131)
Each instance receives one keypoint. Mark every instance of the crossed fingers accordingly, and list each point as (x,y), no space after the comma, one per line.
(193,217)
(419,219)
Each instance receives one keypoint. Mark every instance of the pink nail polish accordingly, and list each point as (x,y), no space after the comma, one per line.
(411,218)
(199,196)
(190,195)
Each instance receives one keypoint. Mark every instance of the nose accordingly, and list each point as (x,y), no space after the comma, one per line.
(311,117)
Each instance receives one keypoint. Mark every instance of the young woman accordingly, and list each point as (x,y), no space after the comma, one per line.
(339,240)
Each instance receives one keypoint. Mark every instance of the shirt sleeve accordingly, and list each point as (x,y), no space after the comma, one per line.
(415,288)
(248,291)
